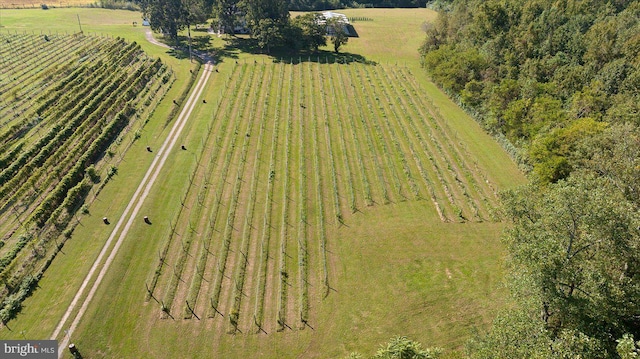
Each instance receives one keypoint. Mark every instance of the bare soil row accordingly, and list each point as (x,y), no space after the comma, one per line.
(292,151)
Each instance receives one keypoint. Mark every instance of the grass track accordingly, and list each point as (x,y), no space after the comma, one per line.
(52,140)
(27,4)
(243,174)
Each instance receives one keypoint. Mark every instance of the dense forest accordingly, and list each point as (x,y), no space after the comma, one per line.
(318,5)
(293,5)
(557,81)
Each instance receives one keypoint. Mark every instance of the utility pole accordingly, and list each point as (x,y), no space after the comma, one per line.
(79,25)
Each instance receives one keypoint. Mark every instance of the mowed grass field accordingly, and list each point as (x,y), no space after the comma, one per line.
(26,4)
(76,104)
(317,209)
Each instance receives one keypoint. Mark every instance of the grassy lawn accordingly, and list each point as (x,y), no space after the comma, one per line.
(392,36)
(26,4)
(395,269)
(42,312)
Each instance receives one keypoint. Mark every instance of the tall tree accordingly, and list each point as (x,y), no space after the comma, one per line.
(226,13)
(197,11)
(614,155)
(569,59)
(268,32)
(577,244)
(519,333)
(338,31)
(172,16)
(165,16)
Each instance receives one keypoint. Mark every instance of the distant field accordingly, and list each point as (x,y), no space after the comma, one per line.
(20,4)
(390,36)
(319,208)
(316,209)
(292,152)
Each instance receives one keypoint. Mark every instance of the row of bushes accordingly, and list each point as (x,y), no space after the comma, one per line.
(9,256)
(77,77)
(35,156)
(75,196)
(13,303)
(75,175)
(107,90)
(9,156)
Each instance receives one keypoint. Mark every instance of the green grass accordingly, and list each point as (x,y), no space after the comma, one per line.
(393,36)
(445,277)
(66,20)
(27,4)
(394,269)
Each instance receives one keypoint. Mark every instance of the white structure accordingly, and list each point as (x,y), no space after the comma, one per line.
(342,18)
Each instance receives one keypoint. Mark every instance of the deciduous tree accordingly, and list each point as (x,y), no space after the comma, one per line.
(313,31)
(339,34)
(267,20)
(577,243)
(405,348)
(226,13)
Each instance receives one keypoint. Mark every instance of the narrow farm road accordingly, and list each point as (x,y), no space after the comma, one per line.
(126,220)
(149,35)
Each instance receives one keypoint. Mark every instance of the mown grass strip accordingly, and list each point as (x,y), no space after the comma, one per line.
(356,142)
(266,221)
(283,275)
(390,129)
(372,99)
(233,203)
(241,267)
(331,79)
(375,156)
(332,166)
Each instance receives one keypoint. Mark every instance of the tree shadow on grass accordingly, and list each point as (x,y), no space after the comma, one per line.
(200,46)
(352,31)
(234,45)
(178,53)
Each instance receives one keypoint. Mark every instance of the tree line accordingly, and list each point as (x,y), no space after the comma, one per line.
(297,5)
(317,5)
(560,80)
(268,21)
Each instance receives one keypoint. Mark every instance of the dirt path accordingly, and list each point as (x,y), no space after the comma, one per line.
(149,35)
(127,218)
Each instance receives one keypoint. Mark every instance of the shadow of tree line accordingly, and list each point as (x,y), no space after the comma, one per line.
(283,54)
(234,45)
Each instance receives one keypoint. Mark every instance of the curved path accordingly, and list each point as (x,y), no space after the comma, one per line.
(128,216)
(149,35)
